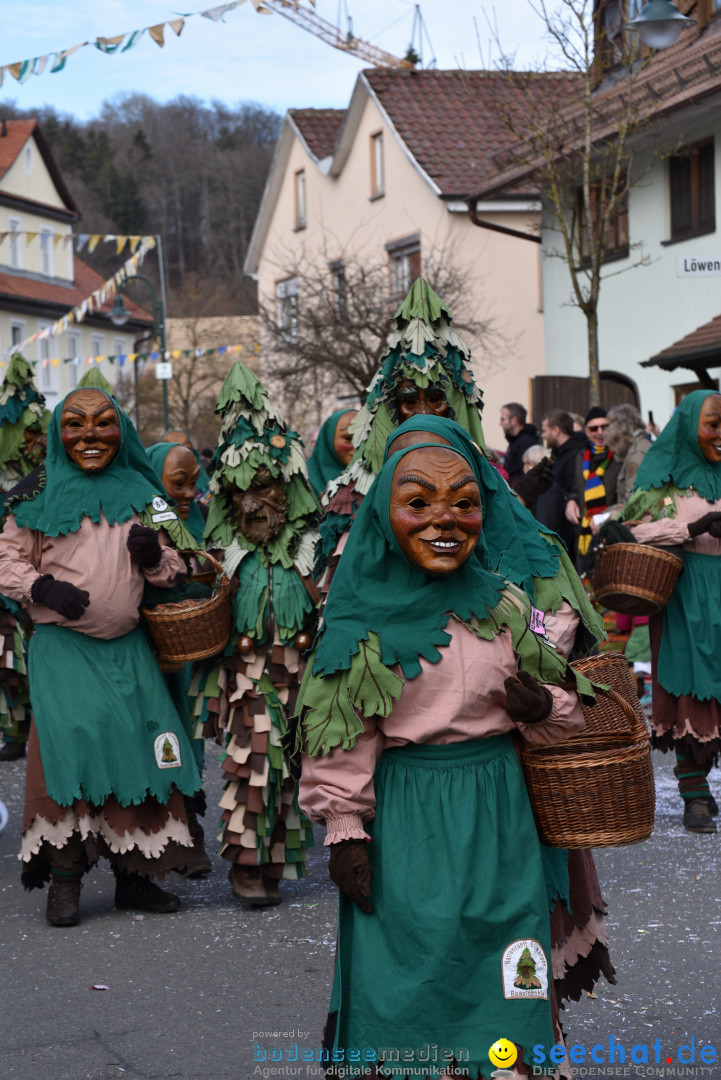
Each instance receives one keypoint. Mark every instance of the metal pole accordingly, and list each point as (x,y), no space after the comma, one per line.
(161,319)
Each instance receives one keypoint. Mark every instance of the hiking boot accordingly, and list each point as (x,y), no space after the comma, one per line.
(712,806)
(138,893)
(11,751)
(63,908)
(248,885)
(696,816)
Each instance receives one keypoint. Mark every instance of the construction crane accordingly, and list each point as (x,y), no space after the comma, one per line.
(306,17)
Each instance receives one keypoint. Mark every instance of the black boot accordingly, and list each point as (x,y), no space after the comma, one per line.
(63,908)
(138,893)
(11,751)
(696,816)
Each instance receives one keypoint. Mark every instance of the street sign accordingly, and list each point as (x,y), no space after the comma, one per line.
(698,266)
(164,370)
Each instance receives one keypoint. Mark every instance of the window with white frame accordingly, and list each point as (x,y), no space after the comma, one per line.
(286,293)
(17,332)
(404,258)
(73,368)
(49,376)
(119,346)
(97,345)
(46,252)
(14,242)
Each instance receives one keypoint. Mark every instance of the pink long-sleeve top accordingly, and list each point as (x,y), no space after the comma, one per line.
(460,698)
(667,532)
(95,558)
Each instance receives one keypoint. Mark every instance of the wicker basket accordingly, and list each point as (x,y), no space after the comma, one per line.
(596,789)
(205,577)
(192,629)
(635,579)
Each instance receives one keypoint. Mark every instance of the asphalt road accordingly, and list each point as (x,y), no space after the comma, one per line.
(202,994)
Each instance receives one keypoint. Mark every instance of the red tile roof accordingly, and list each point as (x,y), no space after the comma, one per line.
(319,128)
(674,78)
(13,286)
(13,136)
(701,344)
(444,119)
(17,133)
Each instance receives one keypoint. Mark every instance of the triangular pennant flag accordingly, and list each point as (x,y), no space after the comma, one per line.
(41,62)
(2,75)
(55,363)
(21,71)
(95,239)
(57,237)
(157,33)
(131,357)
(216,12)
(31,236)
(133,39)
(134,241)
(109,44)
(61,57)
(120,244)
(177,25)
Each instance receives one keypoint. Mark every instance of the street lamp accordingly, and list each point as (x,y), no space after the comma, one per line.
(659,24)
(120,315)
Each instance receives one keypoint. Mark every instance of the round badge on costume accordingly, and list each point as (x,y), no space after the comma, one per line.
(159,504)
(278,441)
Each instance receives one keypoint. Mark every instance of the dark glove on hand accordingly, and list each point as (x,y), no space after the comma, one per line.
(535,482)
(144,546)
(350,869)
(68,600)
(615,532)
(527,700)
(710,523)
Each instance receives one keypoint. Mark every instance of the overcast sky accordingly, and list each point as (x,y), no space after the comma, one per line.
(247,57)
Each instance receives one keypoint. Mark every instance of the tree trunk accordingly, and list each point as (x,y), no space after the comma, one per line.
(594,381)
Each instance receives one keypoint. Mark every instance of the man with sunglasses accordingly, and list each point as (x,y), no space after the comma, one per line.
(596,474)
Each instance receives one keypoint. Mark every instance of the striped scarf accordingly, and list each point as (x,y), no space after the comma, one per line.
(594,494)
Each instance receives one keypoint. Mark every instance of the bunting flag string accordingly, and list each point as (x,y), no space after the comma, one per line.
(97,298)
(91,240)
(217,351)
(53,62)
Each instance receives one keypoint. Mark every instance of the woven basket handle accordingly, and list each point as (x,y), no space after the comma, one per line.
(212,560)
(626,706)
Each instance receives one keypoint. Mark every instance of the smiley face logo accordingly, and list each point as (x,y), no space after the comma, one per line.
(503,1053)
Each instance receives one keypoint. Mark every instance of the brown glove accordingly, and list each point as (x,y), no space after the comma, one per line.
(535,482)
(527,700)
(710,523)
(350,869)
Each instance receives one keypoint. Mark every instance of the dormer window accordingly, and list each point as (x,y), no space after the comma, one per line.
(613,43)
(378,180)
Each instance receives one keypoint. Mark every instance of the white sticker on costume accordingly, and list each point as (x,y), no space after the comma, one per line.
(167,751)
(525,970)
(159,504)
(167,516)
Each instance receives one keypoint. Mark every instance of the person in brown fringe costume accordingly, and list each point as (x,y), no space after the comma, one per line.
(109,760)
(263,516)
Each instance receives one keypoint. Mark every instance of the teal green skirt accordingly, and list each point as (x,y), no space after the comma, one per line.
(105,721)
(456,954)
(689,659)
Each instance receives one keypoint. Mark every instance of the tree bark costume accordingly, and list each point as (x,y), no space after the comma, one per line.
(248,696)
(406,740)
(108,760)
(22,409)
(675,487)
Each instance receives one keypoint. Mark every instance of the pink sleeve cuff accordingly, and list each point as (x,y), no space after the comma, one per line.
(345,827)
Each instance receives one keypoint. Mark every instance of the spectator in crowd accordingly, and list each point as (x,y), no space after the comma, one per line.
(564,444)
(519,436)
(595,484)
(629,440)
